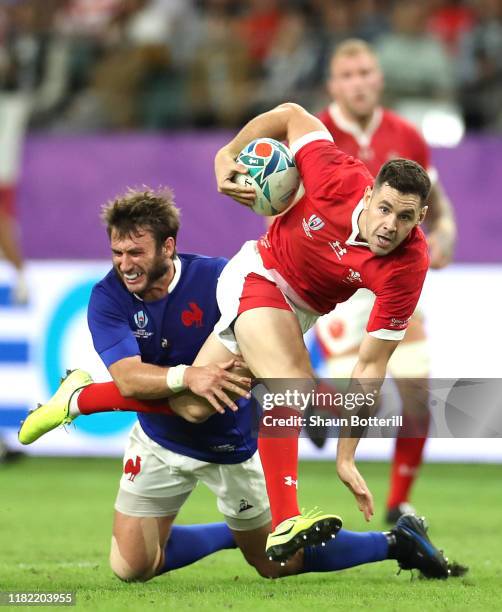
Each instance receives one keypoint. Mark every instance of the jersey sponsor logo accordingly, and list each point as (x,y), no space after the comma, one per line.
(141,319)
(192,316)
(314,224)
(399,323)
(290,482)
(244,505)
(338,249)
(353,277)
(133,468)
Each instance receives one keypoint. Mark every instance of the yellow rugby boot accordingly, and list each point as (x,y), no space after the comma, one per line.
(56,411)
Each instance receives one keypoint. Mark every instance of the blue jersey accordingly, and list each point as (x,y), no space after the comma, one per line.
(168,332)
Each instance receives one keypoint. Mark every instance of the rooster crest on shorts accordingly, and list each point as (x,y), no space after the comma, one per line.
(132,468)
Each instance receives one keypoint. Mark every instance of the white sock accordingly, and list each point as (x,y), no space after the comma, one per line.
(74,411)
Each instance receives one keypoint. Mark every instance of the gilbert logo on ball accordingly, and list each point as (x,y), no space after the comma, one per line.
(272,173)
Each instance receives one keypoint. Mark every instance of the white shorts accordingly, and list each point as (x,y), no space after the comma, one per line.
(230,289)
(157,482)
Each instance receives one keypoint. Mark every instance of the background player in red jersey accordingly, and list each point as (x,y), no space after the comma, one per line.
(363,235)
(366,130)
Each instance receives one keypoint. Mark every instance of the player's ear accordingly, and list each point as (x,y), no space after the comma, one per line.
(422,213)
(368,192)
(169,246)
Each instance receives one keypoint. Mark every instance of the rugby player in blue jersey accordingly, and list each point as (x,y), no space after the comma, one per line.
(152,312)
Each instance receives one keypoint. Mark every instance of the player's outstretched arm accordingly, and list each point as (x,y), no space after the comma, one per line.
(367,377)
(211,382)
(287,122)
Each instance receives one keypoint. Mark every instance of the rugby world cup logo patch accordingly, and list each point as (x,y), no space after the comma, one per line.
(314,224)
(141,319)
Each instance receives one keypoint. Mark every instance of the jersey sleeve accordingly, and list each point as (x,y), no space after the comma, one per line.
(111,334)
(327,172)
(395,303)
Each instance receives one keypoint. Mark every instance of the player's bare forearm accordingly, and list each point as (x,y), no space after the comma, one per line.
(441,227)
(367,378)
(140,380)
(440,210)
(213,382)
(285,122)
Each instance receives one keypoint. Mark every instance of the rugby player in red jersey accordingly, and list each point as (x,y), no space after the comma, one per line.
(345,233)
(361,127)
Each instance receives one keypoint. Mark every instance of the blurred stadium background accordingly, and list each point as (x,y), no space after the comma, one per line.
(96,95)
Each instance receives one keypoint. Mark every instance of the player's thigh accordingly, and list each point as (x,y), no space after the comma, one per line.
(192,407)
(416,329)
(252,545)
(271,342)
(152,490)
(213,351)
(137,545)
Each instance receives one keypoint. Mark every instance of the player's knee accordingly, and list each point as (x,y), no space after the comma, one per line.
(130,570)
(197,413)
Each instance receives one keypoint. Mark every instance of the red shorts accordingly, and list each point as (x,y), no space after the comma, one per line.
(259,292)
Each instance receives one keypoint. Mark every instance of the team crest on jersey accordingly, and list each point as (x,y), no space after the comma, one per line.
(141,319)
(192,316)
(314,224)
(353,277)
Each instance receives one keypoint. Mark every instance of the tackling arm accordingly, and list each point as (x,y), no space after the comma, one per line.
(140,380)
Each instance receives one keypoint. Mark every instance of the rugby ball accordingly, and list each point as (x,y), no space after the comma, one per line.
(272,173)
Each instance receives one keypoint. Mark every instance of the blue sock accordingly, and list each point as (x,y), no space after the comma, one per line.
(189,543)
(346,550)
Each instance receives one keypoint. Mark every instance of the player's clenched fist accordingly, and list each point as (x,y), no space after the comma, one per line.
(225,168)
(212,382)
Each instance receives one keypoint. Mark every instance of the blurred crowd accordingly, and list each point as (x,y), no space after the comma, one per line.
(84,65)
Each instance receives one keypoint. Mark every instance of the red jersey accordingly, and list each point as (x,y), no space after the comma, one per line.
(387,136)
(316,246)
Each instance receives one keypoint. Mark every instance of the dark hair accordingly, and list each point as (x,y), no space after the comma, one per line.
(406,176)
(143,209)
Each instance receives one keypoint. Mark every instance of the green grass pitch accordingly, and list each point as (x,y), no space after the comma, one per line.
(55,520)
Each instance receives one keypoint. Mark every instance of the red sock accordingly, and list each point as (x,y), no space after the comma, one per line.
(407,457)
(278,448)
(105,397)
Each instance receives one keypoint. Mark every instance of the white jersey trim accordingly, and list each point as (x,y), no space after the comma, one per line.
(297,144)
(362,137)
(355,227)
(177,274)
(176,277)
(433,175)
(388,334)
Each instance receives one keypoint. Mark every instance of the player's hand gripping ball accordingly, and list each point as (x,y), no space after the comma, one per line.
(272,173)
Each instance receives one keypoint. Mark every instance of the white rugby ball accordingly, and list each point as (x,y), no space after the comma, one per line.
(272,173)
